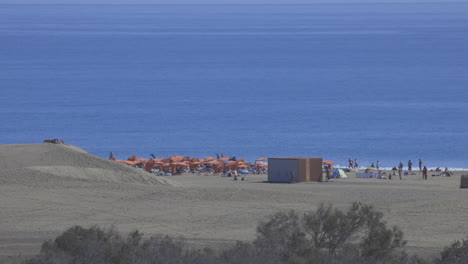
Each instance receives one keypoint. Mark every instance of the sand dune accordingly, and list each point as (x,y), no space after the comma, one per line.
(47,162)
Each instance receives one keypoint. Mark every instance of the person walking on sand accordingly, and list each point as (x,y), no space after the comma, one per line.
(328,171)
(356,164)
(400,166)
(424,170)
(350,163)
(378,164)
(420,165)
(400,171)
(410,165)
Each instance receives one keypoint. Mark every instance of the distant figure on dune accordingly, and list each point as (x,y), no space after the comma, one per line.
(400,166)
(111,156)
(372,165)
(420,165)
(410,165)
(54,141)
(350,163)
(152,156)
(378,164)
(356,164)
(424,171)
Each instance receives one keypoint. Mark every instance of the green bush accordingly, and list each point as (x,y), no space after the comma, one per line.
(456,253)
(326,236)
(326,232)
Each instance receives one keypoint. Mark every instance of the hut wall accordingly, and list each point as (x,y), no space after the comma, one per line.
(279,170)
(315,169)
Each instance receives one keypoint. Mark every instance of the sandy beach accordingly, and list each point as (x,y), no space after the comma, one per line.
(46,188)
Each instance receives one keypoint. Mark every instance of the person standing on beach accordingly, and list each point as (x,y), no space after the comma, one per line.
(424,173)
(378,164)
(400,171)
(400,166)
(410,165)
(356,164)
(420,165)
(350,163)
(328,171)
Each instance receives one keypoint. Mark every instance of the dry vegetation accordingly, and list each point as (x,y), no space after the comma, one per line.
(327,235)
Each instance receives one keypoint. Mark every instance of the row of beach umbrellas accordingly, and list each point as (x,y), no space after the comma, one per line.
(175,162)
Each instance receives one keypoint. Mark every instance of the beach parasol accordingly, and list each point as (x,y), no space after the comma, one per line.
(150,164)
(127,162)
(140,160)
(176,158)
(261,159)
(327,162)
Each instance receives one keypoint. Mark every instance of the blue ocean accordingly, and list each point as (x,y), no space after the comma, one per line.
(385,81)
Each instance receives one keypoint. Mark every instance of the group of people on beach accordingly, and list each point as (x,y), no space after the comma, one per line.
(232,158)
(54,141)
(353,164)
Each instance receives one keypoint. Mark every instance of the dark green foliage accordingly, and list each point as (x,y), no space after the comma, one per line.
(456,253)
(325,236)
(80,245)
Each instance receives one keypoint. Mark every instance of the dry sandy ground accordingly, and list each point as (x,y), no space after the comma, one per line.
(211,209)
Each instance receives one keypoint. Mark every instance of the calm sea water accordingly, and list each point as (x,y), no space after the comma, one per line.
(371,81)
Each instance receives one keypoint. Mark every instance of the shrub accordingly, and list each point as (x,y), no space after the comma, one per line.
(326,235)
(324,232)
(456,253)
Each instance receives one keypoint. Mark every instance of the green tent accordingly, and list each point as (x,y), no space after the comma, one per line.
(339,173)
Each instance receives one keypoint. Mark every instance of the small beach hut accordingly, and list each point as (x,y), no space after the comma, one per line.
(290,170)
(464,181)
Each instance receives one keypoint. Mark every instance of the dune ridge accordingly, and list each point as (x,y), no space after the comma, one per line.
(23,163)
